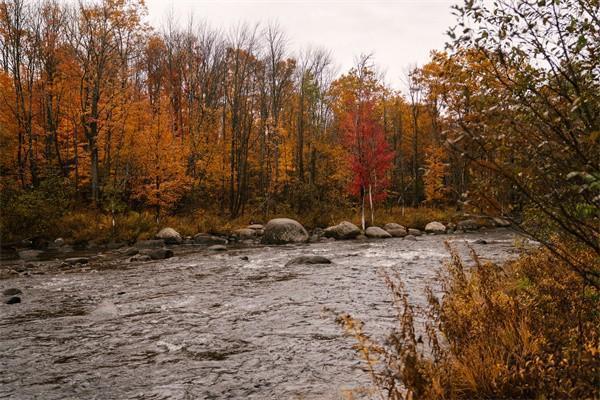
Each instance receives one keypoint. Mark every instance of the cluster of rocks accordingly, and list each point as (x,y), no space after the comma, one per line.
(276,231)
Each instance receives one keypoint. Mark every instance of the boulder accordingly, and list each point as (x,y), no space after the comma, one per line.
(59,242)
(203,238)
(501,222)
(396,230)
(76,260)
(284,230)
(29,255)
(410,237)
(157,254)
(244,233)
(149,244)
(256,227)
(435,227)
(375,232)
(468,225)
(414,232)
(169,235)
(217,247)
(480,241)
(308,260)
(11,291)
(343,231)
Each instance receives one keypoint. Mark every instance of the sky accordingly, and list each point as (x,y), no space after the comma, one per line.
(399,33)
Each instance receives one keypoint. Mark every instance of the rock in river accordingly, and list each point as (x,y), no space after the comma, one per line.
(435,227)
(11,291)
(203,238)
(158,254)
(76,260)
(284,230)
(169,235)
(375,232)
(396,230)
(217,247)
(13,300)
(140,258)
(308,260)
(342,231)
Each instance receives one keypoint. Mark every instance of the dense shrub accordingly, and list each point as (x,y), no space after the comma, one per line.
(527,330)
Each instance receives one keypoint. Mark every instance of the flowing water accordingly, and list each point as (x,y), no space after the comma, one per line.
(205,325)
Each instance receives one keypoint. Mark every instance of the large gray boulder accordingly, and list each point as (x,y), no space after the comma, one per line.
(435,227)
(396,230)
(342,231)
(169,235)
(284,230)
(414,232)
(375,232)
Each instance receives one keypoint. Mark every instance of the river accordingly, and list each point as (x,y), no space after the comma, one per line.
(206,325)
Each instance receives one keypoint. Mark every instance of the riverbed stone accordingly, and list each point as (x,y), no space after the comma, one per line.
(76,260)
(467,225)
(396,230)
(308,260)
(140,258)
(343,231)
(414,232)
(169,235)
(435,227)
(256,227)
(157,254)
(59,241)
(217,247)
(410,237)
(11,291)
(284,230)
(375,232)
(131,251)
(13,300)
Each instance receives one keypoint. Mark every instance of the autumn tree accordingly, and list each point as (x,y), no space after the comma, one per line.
(542,57)
(370,157)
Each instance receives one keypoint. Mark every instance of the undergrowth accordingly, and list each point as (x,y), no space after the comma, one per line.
(526,330)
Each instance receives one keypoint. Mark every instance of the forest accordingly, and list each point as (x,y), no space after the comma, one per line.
(111,129)
(103,114)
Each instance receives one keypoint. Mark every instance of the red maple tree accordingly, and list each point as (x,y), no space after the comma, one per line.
(370,155)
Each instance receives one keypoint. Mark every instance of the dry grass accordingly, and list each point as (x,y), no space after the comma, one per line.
(528,330)
(93,225)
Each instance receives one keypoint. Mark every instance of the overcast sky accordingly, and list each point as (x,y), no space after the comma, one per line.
(399,33)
